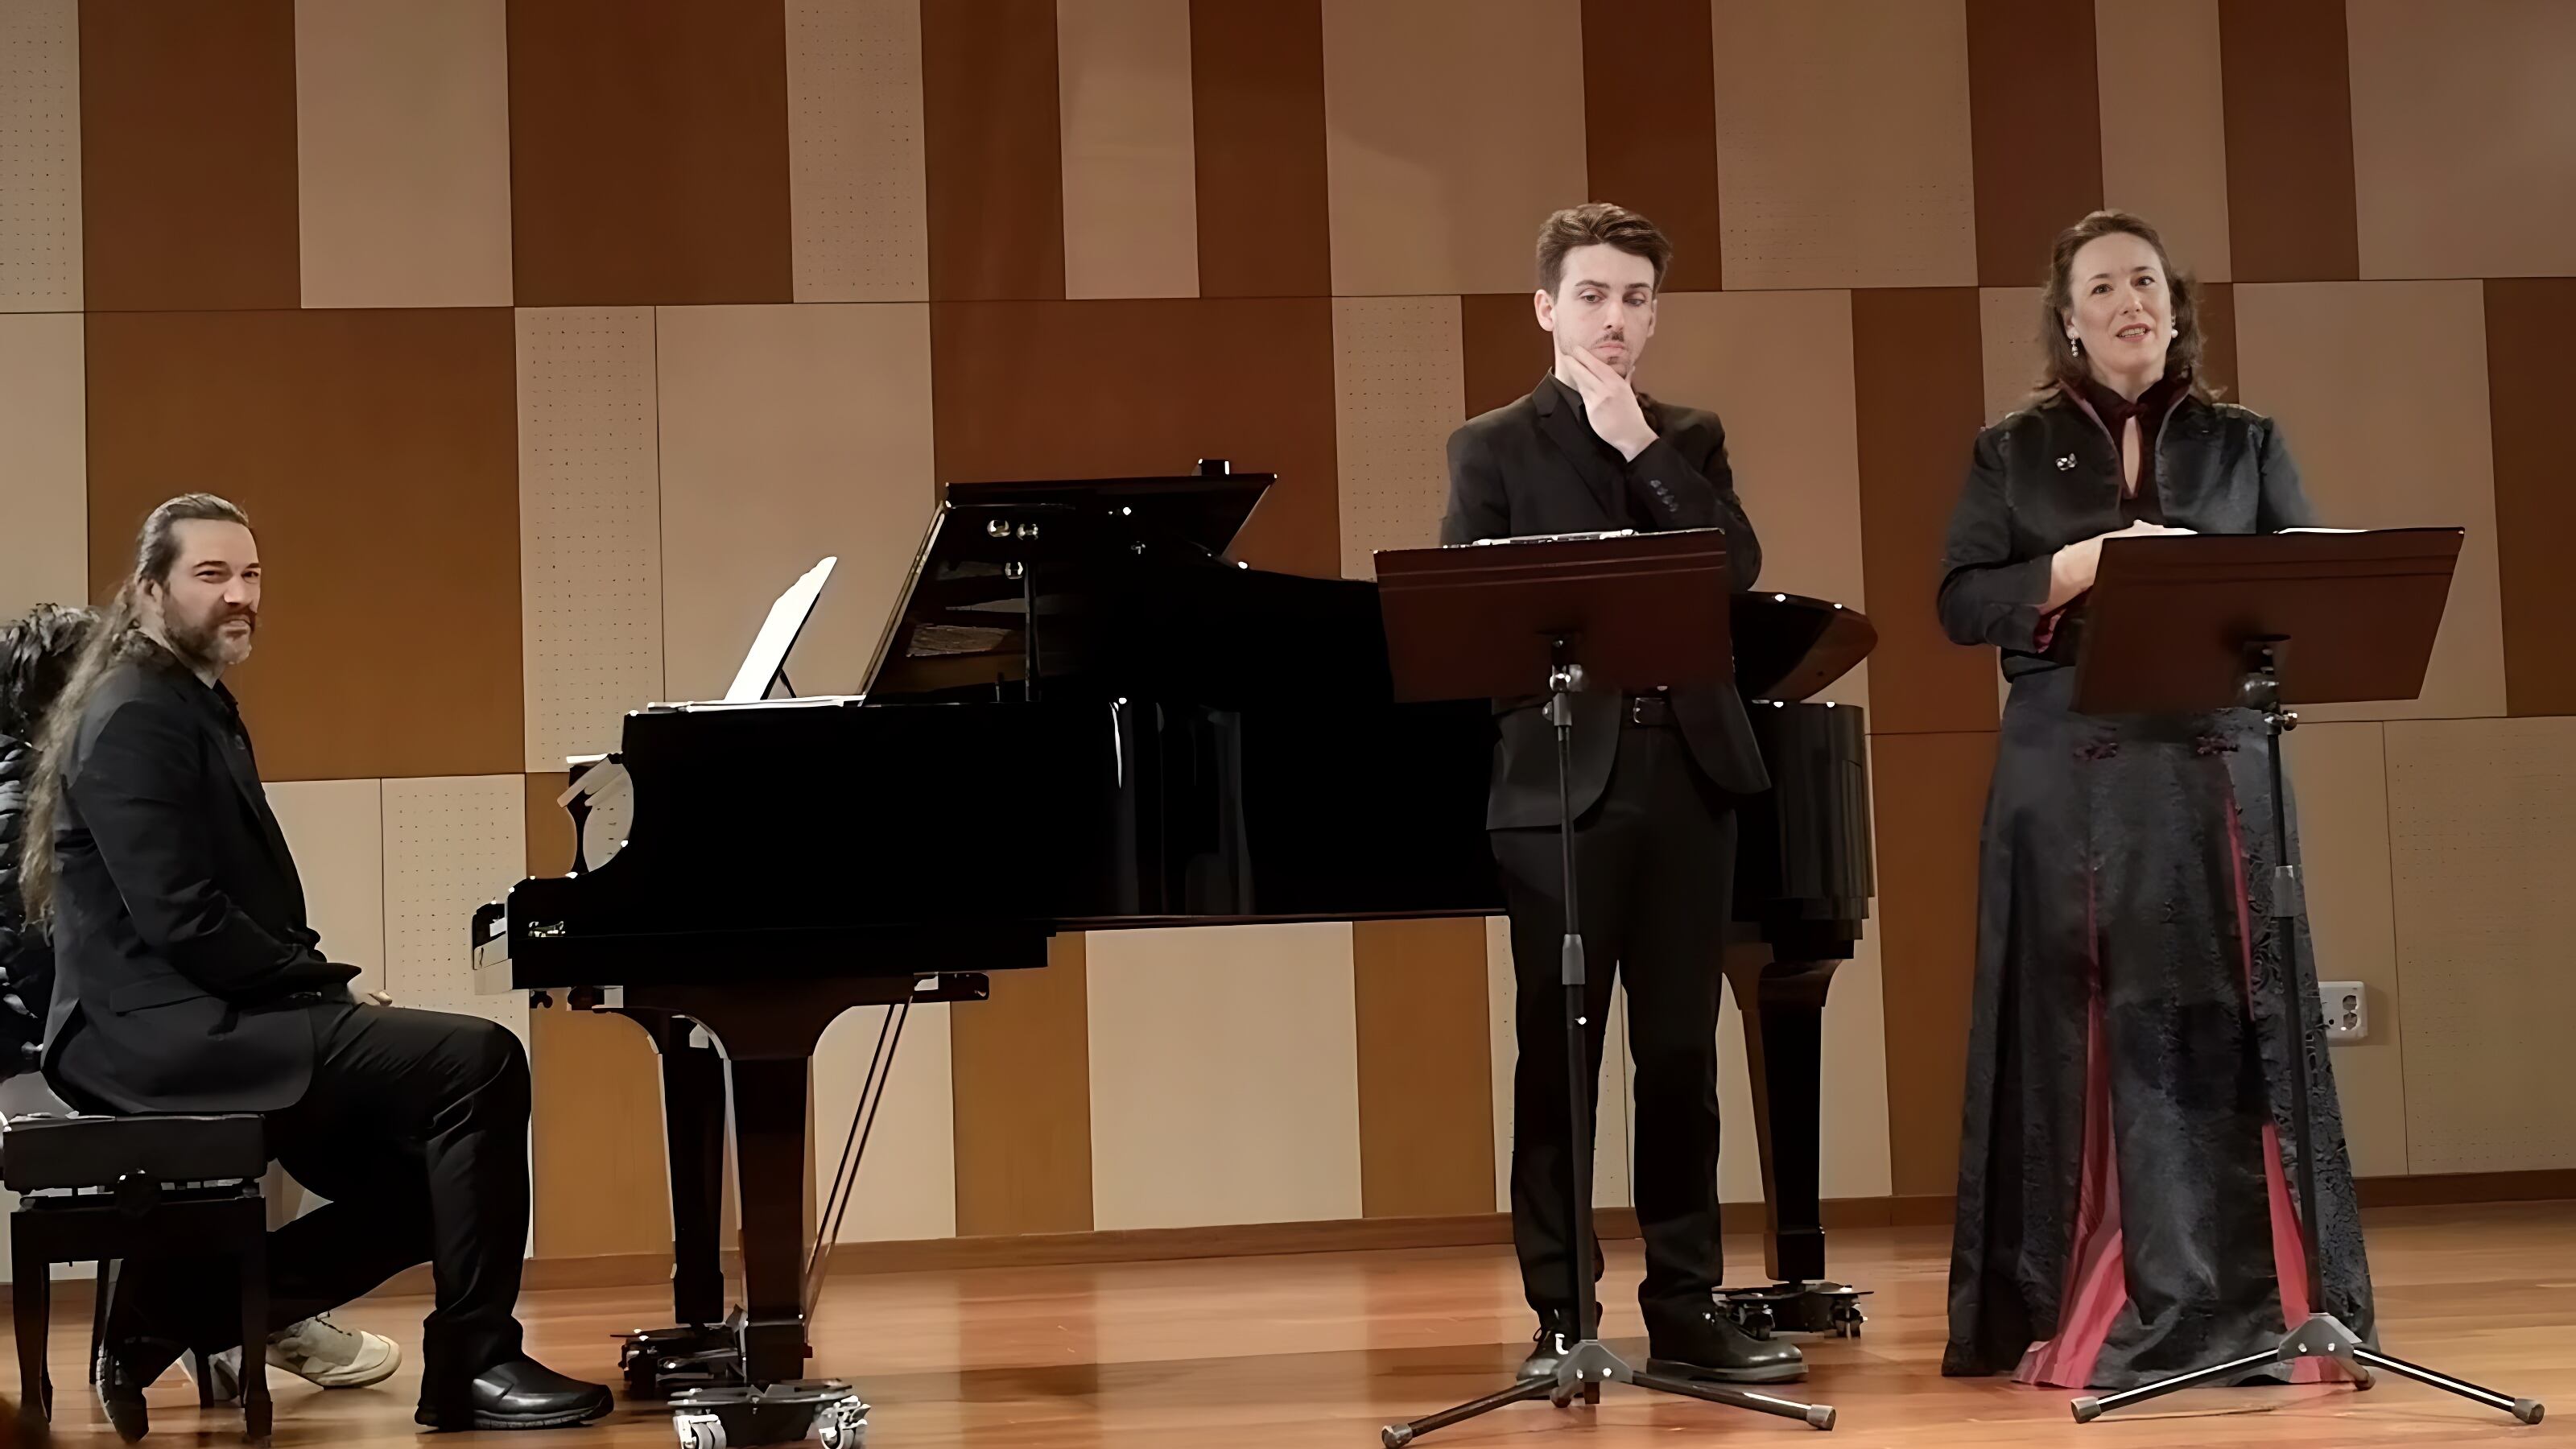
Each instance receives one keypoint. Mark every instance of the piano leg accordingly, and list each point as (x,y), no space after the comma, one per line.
(769,1155)
(1783,1005)
(693,1106)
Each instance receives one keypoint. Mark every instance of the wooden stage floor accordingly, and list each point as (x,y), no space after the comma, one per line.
(1252,1353)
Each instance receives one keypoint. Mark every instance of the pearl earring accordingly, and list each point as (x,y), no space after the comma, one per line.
(2074,345)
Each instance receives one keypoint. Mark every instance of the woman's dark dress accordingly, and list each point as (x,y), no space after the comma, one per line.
(2124,1204)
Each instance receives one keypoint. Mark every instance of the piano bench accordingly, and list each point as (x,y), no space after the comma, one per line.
(106,1189)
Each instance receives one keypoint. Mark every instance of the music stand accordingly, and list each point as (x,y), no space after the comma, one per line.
(2208,622)
(1557,616)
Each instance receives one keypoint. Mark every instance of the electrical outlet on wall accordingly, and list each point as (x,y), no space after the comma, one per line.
(2347,1009)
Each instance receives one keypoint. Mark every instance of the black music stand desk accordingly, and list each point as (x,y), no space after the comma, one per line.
(1554,617)
(2265,621)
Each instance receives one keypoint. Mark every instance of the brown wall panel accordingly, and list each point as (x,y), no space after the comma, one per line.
(1020,1079)
(2529,378)
(1501,347)
(1257,117)
(1650,125)
(648,152)
(1426,1084)
(1931,794)
(550,836)
(598,1175)
(992,159)
(2218,337)
(2290,200)
(1025,390)
(2035,126)
(1917,371)
(377,455)
(187,154)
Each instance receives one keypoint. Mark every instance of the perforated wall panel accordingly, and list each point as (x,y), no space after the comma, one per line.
(450,845)
(854,142)
(40,152)
(1399,388)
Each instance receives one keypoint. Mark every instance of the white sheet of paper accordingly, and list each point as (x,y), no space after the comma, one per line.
(778,634)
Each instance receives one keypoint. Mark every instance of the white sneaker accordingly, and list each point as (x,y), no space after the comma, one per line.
(316,1350)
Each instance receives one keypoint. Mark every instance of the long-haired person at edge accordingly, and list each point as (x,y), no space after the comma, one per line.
(187,980)
(1653,788)
(2125,1209)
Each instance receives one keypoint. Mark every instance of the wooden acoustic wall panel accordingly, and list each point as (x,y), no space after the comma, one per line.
(1843,143)
(2165,161)
(44,552)
(1611,1185)
(371,449)
(2482,818)
(450,846)
(2528,372)
(2463,123)
(2380,389)
(2008,326)
(855,151)
(1037,390)
(2036,130)
(403,150)
(2218,338)
(336,831)
(1501,351)
(1425,1096)
(590,525)
(2290,209)
(1257,131)
(2339,781)
(1453,135)
(1917,364)
(40,157)
(1650,126)
(1020,1069)
(187,150)
(648,153)
(1130,184)
(906,1187)
(1397,385)
(993,157)
(788,434)
(1930,794)
(1224,1076)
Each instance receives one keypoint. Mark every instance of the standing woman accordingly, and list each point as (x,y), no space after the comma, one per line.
(2124,1209)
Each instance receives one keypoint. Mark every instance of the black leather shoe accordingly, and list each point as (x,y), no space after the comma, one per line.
(519,1394)
(125,1368)
(1698,1341)
(1555,1339)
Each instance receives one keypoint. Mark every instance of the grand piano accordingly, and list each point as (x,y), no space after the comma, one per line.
(1083,716)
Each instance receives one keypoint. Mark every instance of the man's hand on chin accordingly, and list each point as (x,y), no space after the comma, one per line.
(1609,403)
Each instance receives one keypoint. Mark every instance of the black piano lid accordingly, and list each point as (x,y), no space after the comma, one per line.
(959,617)
(1789,646)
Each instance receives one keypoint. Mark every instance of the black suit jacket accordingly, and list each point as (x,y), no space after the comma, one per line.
(184,970)
(1536,467)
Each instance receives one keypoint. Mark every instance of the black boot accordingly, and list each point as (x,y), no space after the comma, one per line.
(124,1369)
(519,1394)
(1555,1339)
(1697,1340)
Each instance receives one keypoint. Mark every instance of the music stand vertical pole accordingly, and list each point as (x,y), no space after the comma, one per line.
(1563,681)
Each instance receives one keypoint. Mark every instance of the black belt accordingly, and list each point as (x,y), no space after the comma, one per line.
(1649,711)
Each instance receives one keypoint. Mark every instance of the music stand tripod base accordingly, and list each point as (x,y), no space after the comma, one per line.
(1581,1373)
(2321,1336)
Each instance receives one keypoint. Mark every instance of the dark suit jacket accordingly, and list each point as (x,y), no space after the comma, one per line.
(184,970)
(1536,467)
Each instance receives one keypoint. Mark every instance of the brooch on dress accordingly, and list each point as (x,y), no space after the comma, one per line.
(2066,463)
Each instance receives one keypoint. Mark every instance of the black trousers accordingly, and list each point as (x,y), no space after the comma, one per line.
(416,1130)
(1655,868)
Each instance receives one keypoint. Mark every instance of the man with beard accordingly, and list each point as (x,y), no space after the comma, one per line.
(1653,783)
(187,980)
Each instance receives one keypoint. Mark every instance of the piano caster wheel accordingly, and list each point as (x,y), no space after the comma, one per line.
(842,1426)
(1846,1321)
(699,1431)
(1758,1322)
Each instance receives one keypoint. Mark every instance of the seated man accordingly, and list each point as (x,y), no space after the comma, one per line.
(188,981)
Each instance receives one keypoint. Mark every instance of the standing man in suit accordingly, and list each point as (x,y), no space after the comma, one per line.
(1652,785)
(187,980)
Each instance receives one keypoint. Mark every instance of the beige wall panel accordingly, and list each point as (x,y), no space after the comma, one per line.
(2339,776)
(1130,166)
(1842,143)
(1610,1181)
(590,526)
(450,845)
(907,1183)
(40,156)
(1399,390)
(2165,161)
(1224,1076)
(2381,391)
(1776,367)
(403,153)
(1452,128)
(2464,137)
(44,549)
(336,830)
(2482,817)
(1857,1162)
(2008,321)
(788,433)
(855,186)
